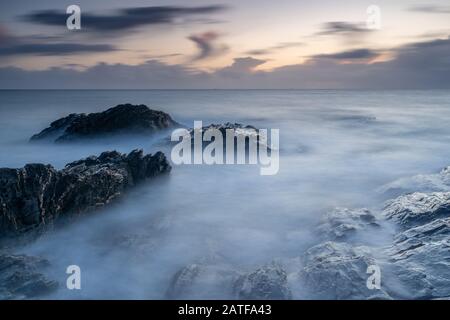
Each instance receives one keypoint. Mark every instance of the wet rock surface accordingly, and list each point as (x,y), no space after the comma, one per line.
(268,282)
(335,270)
(21,277)
(37,195)
(418,208)
(122,119)
(343,223)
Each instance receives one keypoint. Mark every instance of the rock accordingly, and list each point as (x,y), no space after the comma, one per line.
(343,223)
(201,281)
(338,271)
(124,118)
(239,131)
(418,208)
(420,259)
(439,182)
(37,195)
(20,277)
(268,282)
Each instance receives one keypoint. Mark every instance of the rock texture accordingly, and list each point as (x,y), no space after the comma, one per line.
(335,270)
(418,208)
(21,277)
(124,118)
(343,223)
(268,282)
(420,259)
(38,195)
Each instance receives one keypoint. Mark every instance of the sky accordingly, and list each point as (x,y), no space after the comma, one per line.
(284,44)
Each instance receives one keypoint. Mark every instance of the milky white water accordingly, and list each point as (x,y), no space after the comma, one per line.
(337,147)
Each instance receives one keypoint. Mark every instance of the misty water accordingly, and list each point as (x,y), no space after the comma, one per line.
(336,149)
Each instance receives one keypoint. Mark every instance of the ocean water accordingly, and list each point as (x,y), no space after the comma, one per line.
(336,149)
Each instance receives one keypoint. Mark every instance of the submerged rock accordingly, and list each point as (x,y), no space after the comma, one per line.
(338,271)
(268,282)
(343,223)
(124,118)
(21,277)
(418,208)
(197,281)
(37,194)
(439,182)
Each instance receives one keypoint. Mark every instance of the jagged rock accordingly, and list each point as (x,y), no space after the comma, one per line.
(338,271)
(20,277)
(439,182)
(343,223)
(124,118)
(268,282)
(37,195)
(418,208)
(240,132)
(420,259)
(197,281)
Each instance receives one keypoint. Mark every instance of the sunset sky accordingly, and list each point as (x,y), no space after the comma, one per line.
(225,44)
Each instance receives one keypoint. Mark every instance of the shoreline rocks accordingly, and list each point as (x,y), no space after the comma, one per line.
(38,195)
(122,119)
(21,277)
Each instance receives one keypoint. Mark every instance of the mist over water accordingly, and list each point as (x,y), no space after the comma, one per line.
(336,149)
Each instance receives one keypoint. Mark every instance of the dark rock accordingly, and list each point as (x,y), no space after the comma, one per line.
(21,277)
(124,118)
(37,195)
(418,208)
(268,282)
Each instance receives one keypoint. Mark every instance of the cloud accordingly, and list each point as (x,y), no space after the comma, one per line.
(206,44)
(342,27)
(421,65)
(53,49)
(279,46)
(124,19)
(357,54)
(431,9)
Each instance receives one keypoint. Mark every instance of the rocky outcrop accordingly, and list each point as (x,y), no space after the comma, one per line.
(420,260)
(418,208)
(335,270)
(124,118)
(342,223)
(21,277)
(268,282)
(38,195)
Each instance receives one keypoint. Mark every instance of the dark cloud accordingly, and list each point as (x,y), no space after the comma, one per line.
(279,46)
(423,65)
(123,19)
(350,55)
(53,49)
(342,27)
(206,44)
(431,9)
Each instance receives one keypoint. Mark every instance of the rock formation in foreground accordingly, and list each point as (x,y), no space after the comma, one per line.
(37,195)
(122,119)
(21,277)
